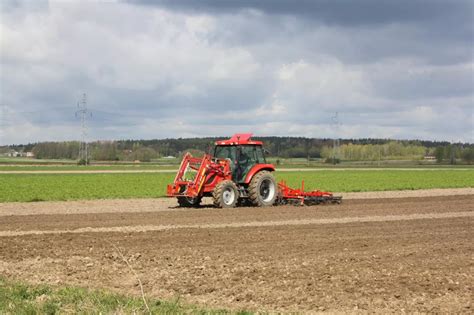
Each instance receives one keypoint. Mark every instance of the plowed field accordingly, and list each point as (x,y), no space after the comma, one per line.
(380,255)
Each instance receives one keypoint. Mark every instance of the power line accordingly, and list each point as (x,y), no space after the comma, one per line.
(3,123)
(84,114)
(336,141)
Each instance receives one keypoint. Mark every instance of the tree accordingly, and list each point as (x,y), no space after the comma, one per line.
(144,154)
(105,151)
(194,152)
(439,154)
(468,155)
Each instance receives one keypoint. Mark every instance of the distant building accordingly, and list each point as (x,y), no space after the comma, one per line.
(13,153)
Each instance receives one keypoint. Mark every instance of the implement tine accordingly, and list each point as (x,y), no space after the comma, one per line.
(302,197)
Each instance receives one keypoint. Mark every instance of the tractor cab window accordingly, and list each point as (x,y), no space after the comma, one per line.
(226,152)
(247,155)
(260,155)
(252,154)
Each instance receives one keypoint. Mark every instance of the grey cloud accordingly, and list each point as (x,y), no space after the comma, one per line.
(360,30)
(330,12)
(411,82)
(11,5)
(431,39)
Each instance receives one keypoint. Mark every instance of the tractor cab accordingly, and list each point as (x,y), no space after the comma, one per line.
(242,153)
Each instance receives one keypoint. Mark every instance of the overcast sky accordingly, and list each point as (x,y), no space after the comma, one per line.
(157,69)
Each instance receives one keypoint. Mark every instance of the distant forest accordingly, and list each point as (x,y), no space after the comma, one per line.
(281,147)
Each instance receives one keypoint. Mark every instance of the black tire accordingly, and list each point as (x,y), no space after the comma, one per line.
(189,202)
(263,189)
(225,194)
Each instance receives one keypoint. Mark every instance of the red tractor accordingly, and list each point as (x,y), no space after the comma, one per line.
(237,172)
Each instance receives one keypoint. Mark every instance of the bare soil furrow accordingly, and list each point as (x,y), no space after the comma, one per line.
(153,228)
(166,204)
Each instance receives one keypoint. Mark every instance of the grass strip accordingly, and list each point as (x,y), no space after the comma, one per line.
(21,298)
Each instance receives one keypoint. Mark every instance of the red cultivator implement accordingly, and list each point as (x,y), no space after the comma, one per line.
(237,173)
(300,197)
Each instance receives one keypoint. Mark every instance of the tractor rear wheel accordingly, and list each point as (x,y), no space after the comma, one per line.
(225,194)
(263,189)
(189,202)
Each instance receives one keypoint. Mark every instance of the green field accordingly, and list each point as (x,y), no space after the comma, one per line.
(126,167)
(27,164)
(26,161)
(20,298)
(45,187)
(379,180)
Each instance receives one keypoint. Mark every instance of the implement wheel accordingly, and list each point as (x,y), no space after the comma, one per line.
(225,194)
(263,189)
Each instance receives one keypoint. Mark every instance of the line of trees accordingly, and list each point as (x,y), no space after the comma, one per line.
(56,150)
(112,151)
(392,150)
(284,147)
(452,153)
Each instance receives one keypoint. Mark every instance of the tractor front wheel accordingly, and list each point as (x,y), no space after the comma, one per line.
(225,194)
(263,189)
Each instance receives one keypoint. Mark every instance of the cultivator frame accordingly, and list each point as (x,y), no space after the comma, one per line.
(288,195)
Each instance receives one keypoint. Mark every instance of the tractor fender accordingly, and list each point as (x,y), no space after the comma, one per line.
(257,168)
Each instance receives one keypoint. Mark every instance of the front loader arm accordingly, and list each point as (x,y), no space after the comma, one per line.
(205,168)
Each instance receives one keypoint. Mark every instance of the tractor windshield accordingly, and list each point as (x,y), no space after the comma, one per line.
(226,152)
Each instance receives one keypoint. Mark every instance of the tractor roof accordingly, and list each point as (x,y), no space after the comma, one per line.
(239,139)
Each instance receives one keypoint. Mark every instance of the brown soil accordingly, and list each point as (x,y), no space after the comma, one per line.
(409,193)
(376,255)
(166,204)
